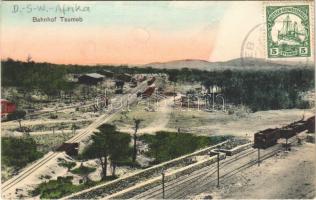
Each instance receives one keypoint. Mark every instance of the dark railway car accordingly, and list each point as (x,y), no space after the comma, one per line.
(151,81)
(310,124)
(148,91)
(298,126)
(269,137)
(266,138)
(71,149)
(287,132)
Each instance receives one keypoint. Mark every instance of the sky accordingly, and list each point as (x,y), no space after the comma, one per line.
(127,32)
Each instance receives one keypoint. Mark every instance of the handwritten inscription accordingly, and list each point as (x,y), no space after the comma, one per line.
(60,8)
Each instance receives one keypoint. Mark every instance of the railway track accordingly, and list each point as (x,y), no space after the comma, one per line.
(201,180)
(188,179)
(9,184)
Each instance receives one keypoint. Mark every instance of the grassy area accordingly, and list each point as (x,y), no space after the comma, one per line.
(195,118)
(165,146)
(126,118)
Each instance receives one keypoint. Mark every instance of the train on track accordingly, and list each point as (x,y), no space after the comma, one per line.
(269,137)
(151,81)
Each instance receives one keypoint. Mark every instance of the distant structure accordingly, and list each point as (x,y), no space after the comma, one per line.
(106,73)
(123,77)
(7,107)
(91,79)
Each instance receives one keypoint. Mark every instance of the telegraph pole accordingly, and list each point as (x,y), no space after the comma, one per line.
(163,184)
(218,169)
(258,157)
(211,154)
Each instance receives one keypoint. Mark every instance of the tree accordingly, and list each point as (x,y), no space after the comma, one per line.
(120,151)
(173,78)
(136,127)
(29,58)
(108,144)
(17,115)
(84,172)
(18,152)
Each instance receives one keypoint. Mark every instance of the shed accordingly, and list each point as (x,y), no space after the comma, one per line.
(123,77)
(7,107)
(91,78)
(106,73)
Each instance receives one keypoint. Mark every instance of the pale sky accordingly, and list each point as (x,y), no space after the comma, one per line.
(128,32)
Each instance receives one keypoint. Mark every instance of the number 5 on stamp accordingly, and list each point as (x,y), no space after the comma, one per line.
(288,31)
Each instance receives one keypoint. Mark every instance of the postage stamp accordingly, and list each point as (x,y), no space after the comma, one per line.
(288,31)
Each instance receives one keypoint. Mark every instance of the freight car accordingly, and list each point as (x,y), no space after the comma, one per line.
(71,149)
(266,138)
(151,81)
(147,92)
(310,124)
(269,137)
(292,129)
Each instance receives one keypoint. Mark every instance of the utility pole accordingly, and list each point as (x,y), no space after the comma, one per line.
(211,154)
(213,106)
(258,157)
(218,169)
(163,184)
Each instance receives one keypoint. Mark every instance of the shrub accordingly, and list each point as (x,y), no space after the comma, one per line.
(18,152)
(55,189)
(165,146)
(83,170)
(66,164)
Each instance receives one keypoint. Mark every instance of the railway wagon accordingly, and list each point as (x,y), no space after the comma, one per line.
(147,92)
(292,129)
(266,138)
(151,81)
(71,149)
(310,124)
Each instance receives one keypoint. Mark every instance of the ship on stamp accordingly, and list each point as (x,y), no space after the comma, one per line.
(288,31)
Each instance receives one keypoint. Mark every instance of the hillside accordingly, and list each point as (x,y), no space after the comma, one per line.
(235,64)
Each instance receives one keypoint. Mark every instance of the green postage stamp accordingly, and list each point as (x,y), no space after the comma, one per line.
(288,31)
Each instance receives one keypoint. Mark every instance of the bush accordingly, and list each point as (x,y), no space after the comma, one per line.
(18,152)
(165,146)
(19,114)
(53,116)
(66,164)
(83,170)
(55,189)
